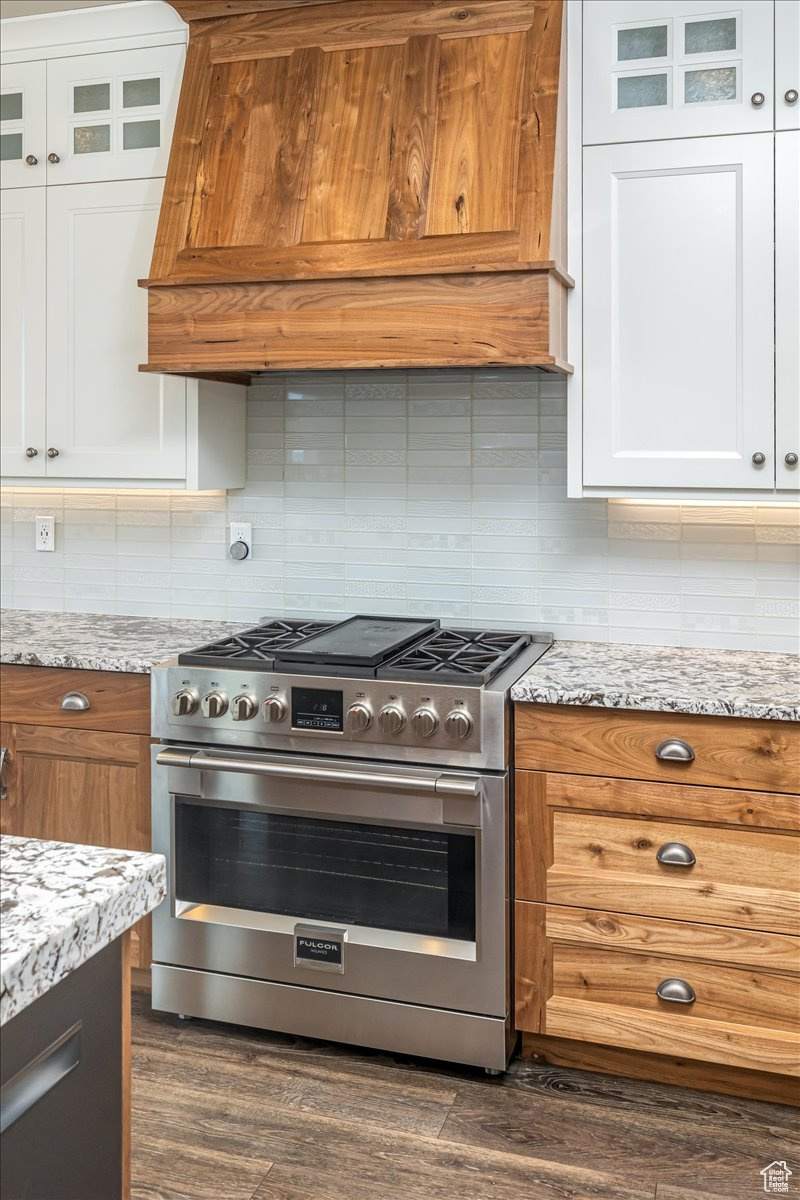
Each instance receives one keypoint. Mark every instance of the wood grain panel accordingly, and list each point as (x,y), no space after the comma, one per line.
(444,321)
(349,184)
(606,995)
(203,10)
(476,150)
(412,133)
(539,204)
(220,170)
(717,806)
(730,751)
(278,151)
(118,700)
(365,23)
(661,1068)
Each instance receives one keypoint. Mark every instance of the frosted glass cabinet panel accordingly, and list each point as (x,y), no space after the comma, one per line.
(676,68)
(110,116)
(106,419)
(678,314)
(787,308)
(22,329)
(787,64)
(22,125)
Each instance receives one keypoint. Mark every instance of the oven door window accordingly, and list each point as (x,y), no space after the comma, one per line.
(413,881)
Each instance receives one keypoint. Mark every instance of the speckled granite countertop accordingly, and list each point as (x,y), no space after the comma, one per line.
(95,642)
(721,683)
(60,904)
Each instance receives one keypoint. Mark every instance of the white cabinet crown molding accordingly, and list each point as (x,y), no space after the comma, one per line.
(91,30)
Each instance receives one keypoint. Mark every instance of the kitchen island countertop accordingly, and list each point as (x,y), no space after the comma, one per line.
(60,904)
(100,642)
(721,683)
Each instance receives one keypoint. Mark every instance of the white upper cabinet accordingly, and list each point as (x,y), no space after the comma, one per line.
(22,332)
(676,69)
(110,116)
(787,310)
(678,314)
(23,124)
(105,418)
(787,64)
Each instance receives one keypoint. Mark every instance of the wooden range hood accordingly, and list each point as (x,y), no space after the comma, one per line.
(356,183)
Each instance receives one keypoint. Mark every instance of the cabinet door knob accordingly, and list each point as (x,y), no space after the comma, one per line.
(75,702)
(759,458)
(791,96)
(31,160)
(675,854)
(31,452)
(677,991)
(53,158)
(674,750)
(757,99)
(52,452)
(790,459)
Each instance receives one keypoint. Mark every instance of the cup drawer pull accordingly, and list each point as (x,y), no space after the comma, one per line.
(676,854)
(677,991)
(75,702)
(674,750)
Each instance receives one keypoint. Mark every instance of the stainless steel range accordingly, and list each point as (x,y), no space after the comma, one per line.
(334,801)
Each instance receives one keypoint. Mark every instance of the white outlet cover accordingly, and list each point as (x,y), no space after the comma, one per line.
(45,537)
(242,531)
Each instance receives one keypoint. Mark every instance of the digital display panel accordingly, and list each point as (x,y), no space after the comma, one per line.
(317,708)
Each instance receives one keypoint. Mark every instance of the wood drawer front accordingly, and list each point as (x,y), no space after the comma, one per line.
(745,877)
(118,701)
(596,981)
(729,751)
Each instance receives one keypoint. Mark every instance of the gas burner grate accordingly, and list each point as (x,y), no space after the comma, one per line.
(256,648)
(466,656)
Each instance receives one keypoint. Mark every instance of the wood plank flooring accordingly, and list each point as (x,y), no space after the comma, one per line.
(223,1113)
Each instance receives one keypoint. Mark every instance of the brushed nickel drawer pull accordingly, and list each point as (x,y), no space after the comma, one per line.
(676,854)
(75,702)
(40,1075)
(674,750)
(3,755)
(677,991)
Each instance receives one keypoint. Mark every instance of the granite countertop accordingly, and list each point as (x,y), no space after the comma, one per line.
(96,642)
(60,904)
(720,683)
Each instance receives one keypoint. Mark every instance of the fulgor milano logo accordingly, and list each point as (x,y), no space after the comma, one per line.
(316,944)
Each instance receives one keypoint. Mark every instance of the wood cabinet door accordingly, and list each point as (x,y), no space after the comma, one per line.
(23,149)
(678,314)
(600,977)
(22,332)
(79,785)
(107,420)
(685,68)
(110,116)
(787,307)
(364,139)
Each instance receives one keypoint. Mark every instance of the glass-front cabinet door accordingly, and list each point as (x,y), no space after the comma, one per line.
(22,124)
(110,116)
(672,70)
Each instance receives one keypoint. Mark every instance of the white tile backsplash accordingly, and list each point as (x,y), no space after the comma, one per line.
(424,492)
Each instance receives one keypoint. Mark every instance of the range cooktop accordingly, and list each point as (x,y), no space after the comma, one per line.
(367,647)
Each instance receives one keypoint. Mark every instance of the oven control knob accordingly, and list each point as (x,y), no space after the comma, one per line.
(458,724)
(392,720)
(215,704)
(244,708)
(184,703)
(359,718)
(425,722)
(273,709)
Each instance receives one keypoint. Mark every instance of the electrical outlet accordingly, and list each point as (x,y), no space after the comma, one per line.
(240,542)
(45,533)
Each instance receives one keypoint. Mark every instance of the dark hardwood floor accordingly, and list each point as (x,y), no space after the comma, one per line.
(223,1113)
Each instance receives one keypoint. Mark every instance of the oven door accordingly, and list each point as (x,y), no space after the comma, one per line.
(393,880)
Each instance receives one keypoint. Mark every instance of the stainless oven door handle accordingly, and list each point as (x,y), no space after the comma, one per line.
(442,785)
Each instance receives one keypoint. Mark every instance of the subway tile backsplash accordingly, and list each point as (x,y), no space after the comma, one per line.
(424,492)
